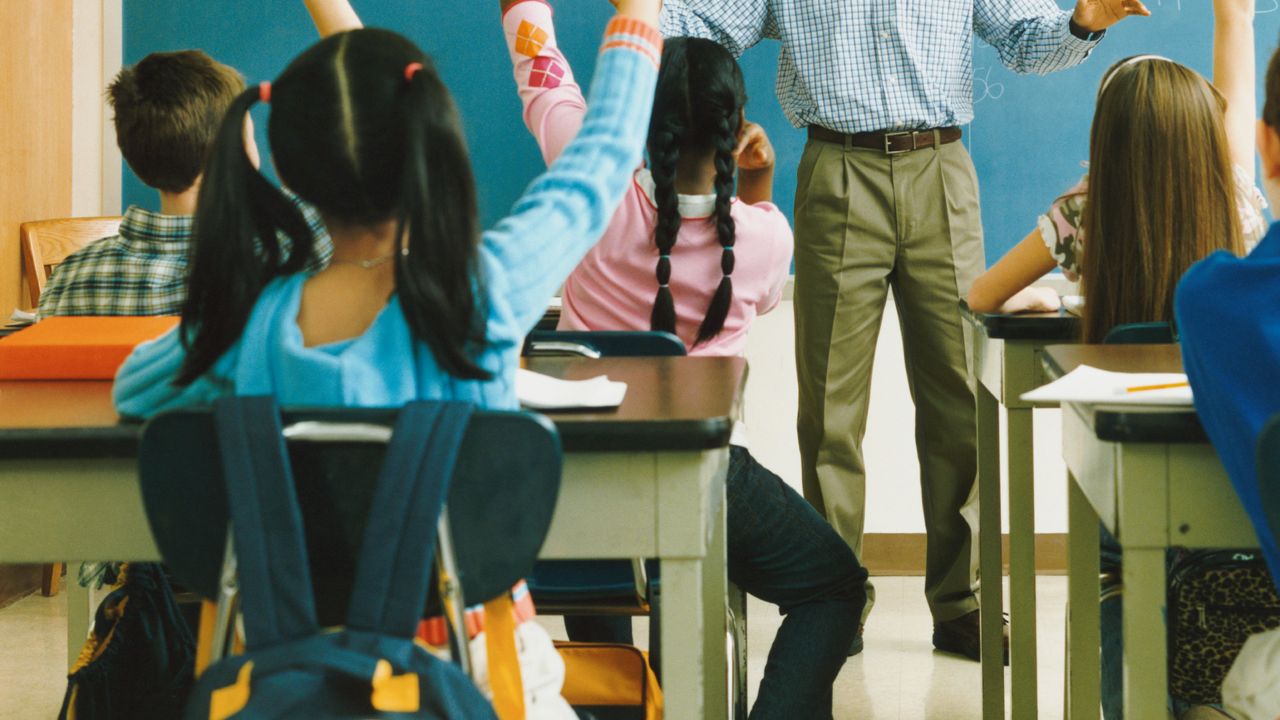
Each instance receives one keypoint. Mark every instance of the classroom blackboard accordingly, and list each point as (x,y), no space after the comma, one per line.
(1029,139)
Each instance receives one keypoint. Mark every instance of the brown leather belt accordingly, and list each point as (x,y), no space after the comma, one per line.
(890,143)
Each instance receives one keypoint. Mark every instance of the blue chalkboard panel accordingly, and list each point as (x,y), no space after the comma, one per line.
(464,38)
(1029,139)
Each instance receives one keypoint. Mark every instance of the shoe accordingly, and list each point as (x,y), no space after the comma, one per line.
(962,636)
(855,647)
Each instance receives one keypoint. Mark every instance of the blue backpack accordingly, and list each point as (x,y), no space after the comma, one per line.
(371,667)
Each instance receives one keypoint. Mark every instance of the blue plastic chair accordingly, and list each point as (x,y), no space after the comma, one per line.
(603,344)
(1144,333)
(496,527)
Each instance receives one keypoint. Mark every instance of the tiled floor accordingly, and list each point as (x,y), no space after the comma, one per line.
(897,677)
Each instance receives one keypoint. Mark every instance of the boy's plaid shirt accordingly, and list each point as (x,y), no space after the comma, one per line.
(141,271)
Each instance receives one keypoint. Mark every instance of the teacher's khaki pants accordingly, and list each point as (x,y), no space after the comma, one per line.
(868,223)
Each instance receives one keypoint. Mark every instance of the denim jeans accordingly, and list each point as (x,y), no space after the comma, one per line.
(783,552)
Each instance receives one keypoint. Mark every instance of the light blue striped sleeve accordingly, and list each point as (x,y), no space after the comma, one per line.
(563,213)
(144,384)
(1031,36)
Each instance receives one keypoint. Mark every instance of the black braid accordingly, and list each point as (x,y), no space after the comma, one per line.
(697,107)
(665,153)
(726,141)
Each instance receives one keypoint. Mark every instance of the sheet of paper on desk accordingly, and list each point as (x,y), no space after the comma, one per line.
(1091,385)
(539,392)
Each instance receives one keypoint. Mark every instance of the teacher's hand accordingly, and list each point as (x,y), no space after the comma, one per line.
(1098,15)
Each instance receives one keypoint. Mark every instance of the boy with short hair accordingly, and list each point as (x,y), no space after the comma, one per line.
(168,108)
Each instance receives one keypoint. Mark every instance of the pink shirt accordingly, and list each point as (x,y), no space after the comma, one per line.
(614,286)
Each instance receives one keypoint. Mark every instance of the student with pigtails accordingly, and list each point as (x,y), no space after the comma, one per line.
(417,301)
(684,255)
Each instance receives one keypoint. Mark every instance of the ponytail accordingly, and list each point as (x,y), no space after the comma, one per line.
(435,272)
(237,246)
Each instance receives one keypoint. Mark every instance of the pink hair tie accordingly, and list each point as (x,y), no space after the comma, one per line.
(264,91)
(410,70)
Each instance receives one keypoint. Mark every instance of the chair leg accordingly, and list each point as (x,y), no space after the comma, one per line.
(737,626)
(51,579)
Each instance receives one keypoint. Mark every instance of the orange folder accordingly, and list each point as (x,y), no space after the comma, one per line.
(76,347)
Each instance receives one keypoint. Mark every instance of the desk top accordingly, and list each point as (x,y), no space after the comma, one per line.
(1052,326)
(671,404)
(1130,423)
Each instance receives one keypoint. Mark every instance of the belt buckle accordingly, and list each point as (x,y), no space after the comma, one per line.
(888,142)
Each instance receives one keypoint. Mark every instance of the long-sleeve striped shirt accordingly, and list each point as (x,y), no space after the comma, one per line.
(867,65)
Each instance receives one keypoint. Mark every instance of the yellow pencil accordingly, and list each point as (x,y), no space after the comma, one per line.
(1166,386)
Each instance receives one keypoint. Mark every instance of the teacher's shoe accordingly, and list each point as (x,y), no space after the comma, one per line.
(963,635)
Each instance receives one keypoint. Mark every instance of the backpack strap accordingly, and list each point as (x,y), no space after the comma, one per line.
(397,555)
(271,553)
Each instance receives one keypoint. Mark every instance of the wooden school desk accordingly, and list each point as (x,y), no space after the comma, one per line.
(646,480)
(1149,475)
(1006,362)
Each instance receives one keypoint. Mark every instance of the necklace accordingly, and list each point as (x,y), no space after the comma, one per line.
(365,264)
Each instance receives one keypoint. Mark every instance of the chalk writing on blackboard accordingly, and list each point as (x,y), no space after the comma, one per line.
(983,88)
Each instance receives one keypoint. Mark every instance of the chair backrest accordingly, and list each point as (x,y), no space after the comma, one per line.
(627,343)
(46,243)
(1146,333)
(500,503)
(1269,473)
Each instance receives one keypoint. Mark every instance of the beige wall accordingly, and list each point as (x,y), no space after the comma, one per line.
(35,135)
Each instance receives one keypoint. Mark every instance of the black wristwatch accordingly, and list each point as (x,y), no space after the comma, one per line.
(1083,34)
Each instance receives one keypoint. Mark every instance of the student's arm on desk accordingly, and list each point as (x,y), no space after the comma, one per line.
(144,384)
(1006,287)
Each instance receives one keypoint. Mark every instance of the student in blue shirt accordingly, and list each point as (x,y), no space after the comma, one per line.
(1230,333)
(417,303)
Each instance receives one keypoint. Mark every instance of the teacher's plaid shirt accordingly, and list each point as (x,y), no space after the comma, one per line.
(866,65)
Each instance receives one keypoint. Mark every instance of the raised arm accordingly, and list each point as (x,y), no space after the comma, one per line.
(1234,75)
(1035,36)
(333,16)
(735,24)
(552,100)
(566,209)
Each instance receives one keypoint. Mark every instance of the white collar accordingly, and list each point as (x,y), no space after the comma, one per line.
(691,206)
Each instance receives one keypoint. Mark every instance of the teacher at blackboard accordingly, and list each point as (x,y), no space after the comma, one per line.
(887,199)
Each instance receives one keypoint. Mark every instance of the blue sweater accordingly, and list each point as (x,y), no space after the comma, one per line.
(1226,309)
(523,260)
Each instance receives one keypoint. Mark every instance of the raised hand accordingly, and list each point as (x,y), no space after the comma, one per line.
(754,151)
(1098,15)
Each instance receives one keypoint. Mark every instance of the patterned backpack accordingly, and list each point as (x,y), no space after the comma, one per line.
(372,667)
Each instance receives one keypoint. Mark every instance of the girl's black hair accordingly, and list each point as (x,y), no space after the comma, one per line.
(698,106)
(365,142)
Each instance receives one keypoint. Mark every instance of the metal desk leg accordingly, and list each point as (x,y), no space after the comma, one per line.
(1022,562)
(78,613)
(990,571)
(1145,673)
(715,586)
(691,517)
(1083,694)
